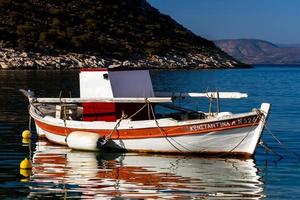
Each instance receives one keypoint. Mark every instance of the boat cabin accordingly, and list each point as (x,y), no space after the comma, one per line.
(110,94)
(109,83)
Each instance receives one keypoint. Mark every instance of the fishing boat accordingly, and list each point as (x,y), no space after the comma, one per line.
(118,109)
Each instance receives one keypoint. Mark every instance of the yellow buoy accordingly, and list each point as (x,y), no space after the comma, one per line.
(24,180)
(26,141)
(25,172)
(25,164)
(26,134)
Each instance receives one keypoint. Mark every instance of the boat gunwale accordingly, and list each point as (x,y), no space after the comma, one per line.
(64,128)
(161,121)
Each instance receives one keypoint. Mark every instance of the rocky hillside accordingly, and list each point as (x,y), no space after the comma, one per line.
(253,51)
(99,33)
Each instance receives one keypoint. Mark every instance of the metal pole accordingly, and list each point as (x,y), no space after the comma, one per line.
(210,105)
(218,103)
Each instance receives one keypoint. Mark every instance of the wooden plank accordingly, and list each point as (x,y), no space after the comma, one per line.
(222,95)
(114,100)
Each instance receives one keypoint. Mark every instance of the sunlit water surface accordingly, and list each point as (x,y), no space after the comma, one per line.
(59,172)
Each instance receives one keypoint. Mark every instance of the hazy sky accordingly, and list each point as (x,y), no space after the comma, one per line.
(277,21)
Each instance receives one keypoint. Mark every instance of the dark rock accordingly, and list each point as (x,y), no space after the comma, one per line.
(100,33)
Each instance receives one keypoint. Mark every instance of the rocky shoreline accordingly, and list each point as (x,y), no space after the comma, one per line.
(70,34)
(24,60)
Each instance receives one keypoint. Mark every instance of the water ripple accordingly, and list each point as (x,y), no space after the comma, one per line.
(59,172)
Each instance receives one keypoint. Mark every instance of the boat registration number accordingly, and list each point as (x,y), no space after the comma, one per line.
(223,124)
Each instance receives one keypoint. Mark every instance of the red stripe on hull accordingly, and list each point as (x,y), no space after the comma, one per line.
(200,128)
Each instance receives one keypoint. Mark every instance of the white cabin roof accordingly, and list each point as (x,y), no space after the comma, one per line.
(106,83)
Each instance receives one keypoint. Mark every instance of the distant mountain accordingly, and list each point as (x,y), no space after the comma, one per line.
(254,51)
(289,45)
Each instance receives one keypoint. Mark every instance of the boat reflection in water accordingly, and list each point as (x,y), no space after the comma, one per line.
(61,172)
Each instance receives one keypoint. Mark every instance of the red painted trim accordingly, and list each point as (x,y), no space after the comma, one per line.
(155,132)
(127,173)
(112,69)
(93,69)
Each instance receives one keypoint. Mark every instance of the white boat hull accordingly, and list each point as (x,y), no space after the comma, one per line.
(232,141)
(237,141)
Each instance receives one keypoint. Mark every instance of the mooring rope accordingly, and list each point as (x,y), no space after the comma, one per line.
(267,148)
(220,155)
(29,119)
(280,143)
(115,128)
(134,114)
(107,137)
(162,131)
(31,103)
(64,118)
(238,144)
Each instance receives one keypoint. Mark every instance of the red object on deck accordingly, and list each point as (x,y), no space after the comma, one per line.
(99,111)
(110,112)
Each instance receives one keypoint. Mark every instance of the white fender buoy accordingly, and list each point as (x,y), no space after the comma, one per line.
(81,140)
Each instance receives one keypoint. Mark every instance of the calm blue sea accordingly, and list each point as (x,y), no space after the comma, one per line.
(59,172)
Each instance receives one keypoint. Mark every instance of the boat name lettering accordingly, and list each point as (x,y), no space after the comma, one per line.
(223,124)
